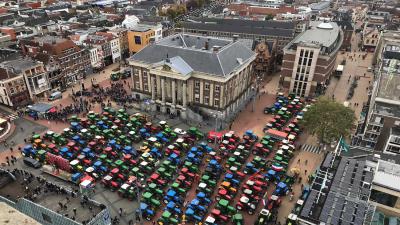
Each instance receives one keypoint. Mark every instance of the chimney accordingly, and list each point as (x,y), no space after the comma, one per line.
(206,45)
(235,37)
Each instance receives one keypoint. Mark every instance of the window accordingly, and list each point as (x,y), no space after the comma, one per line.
(383,198)
(138,40)
(207,86)
(216,102)
(146,87)
(217,88)
(197,83)
(206,100)
(301,53)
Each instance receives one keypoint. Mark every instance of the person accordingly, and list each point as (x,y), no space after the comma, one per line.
(306,162)
(298,161)
(120,211)
(74,211)
(291,196)
(305,172)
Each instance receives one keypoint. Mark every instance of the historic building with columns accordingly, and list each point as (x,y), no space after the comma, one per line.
(182,73)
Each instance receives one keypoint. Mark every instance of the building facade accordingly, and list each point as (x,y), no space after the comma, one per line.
(13,91)
(141,35)
(309,60)
(122,34)
(265,63)
(370,37)
(191,73)
(385,191)
(64,61)
(34,74)
(383,109)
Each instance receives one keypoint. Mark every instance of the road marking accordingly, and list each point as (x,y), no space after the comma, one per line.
(311,148)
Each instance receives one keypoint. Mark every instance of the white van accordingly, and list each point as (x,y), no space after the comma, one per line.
(55,95)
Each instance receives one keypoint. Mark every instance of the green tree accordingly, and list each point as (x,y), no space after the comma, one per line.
(328,120)
(269,17)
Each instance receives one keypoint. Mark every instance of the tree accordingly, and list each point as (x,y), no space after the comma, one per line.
(328,120)
(269,17)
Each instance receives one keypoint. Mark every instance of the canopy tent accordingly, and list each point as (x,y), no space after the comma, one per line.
(40,107)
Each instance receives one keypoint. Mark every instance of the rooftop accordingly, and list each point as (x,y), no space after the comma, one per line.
(339,193)
(269,28)
(202,54)
(48,196)
(387,175)
(11,216)
(321,33)
(49,39)
(389,84)
(19,65)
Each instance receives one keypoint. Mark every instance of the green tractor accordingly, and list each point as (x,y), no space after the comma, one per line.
(115,75)
(237,219)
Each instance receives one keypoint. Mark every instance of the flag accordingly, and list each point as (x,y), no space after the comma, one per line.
(343,145)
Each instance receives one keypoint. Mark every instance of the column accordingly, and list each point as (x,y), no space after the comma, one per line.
(132,78)
(173,92)
(184,94)
(163,90)
(152,88)
(141,84)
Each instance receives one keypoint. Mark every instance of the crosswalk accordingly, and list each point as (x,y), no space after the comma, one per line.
(311,148)
(10,117)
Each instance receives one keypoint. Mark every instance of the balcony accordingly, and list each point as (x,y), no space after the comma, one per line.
(37,91)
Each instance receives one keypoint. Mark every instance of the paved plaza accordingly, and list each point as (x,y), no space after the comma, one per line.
(307,158)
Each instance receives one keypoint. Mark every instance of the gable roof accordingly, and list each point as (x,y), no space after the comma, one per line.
(230,56)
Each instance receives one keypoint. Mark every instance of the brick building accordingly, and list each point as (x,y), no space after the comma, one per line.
(309,60)
(64,60)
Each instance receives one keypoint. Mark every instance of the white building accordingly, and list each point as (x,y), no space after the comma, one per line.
(130,21)
(115,49)
(95,59)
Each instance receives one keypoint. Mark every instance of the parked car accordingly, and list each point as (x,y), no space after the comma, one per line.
(32,162)
(55,95)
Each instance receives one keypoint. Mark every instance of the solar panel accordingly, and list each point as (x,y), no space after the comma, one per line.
(335,220)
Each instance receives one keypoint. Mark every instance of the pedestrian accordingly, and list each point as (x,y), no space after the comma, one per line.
(298,161)
(74,210)
(11,149)
(305,172)
(291,196)
(120,212)
(154,222)
(61,205)
(306,162)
